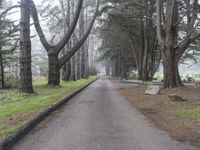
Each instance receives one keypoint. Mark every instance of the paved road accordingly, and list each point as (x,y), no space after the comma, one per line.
(99,119)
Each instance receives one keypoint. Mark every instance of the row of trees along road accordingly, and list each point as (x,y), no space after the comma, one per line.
(59,54)
(142,33)
(9,39)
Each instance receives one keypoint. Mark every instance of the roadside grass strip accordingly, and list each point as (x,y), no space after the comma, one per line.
(17,108)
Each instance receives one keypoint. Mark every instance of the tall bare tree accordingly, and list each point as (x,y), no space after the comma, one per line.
(25,48)
(66,12)
(53,50)
(177,28)
(73,62)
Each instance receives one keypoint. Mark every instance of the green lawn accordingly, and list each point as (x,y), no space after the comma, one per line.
(16,108)
(188,112)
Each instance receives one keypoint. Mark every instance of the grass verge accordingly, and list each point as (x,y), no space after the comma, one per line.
(189,112)
(17,108)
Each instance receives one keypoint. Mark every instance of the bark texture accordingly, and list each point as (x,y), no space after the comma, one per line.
(2,70)
(54,70)
(25,48)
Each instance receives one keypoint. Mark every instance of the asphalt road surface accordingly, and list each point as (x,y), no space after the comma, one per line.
(99,119)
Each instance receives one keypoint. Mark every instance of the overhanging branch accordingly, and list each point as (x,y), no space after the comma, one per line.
(60,45)
(38,28)
(67,57)
(8,9)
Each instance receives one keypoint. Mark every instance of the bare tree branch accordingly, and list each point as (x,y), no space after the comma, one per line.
(74,49)
(67,36)
(179,20)
(159,26)
(38,28)
(188,36)
(8,9)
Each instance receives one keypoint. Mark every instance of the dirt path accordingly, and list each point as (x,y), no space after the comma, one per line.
(99,119)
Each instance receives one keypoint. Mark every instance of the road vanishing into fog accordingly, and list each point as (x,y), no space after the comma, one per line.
(99,119)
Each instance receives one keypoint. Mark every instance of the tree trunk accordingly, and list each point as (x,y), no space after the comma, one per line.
(25,49)
(114,66)
(73,69)
(145,74)
(73,61)
(82,49)
(86,73)
(78,66)
(82,61)
(119,65)
(54,70)
(168,38)
(91,59)
(2,71)
(66,71)
(66,20)
(73,42)
(107,67)
(171,72)
(141,46)
(124,70)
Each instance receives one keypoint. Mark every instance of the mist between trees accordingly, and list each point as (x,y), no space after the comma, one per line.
(135,35)
(143,34)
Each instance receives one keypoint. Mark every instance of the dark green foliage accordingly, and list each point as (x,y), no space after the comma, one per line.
(129,38)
